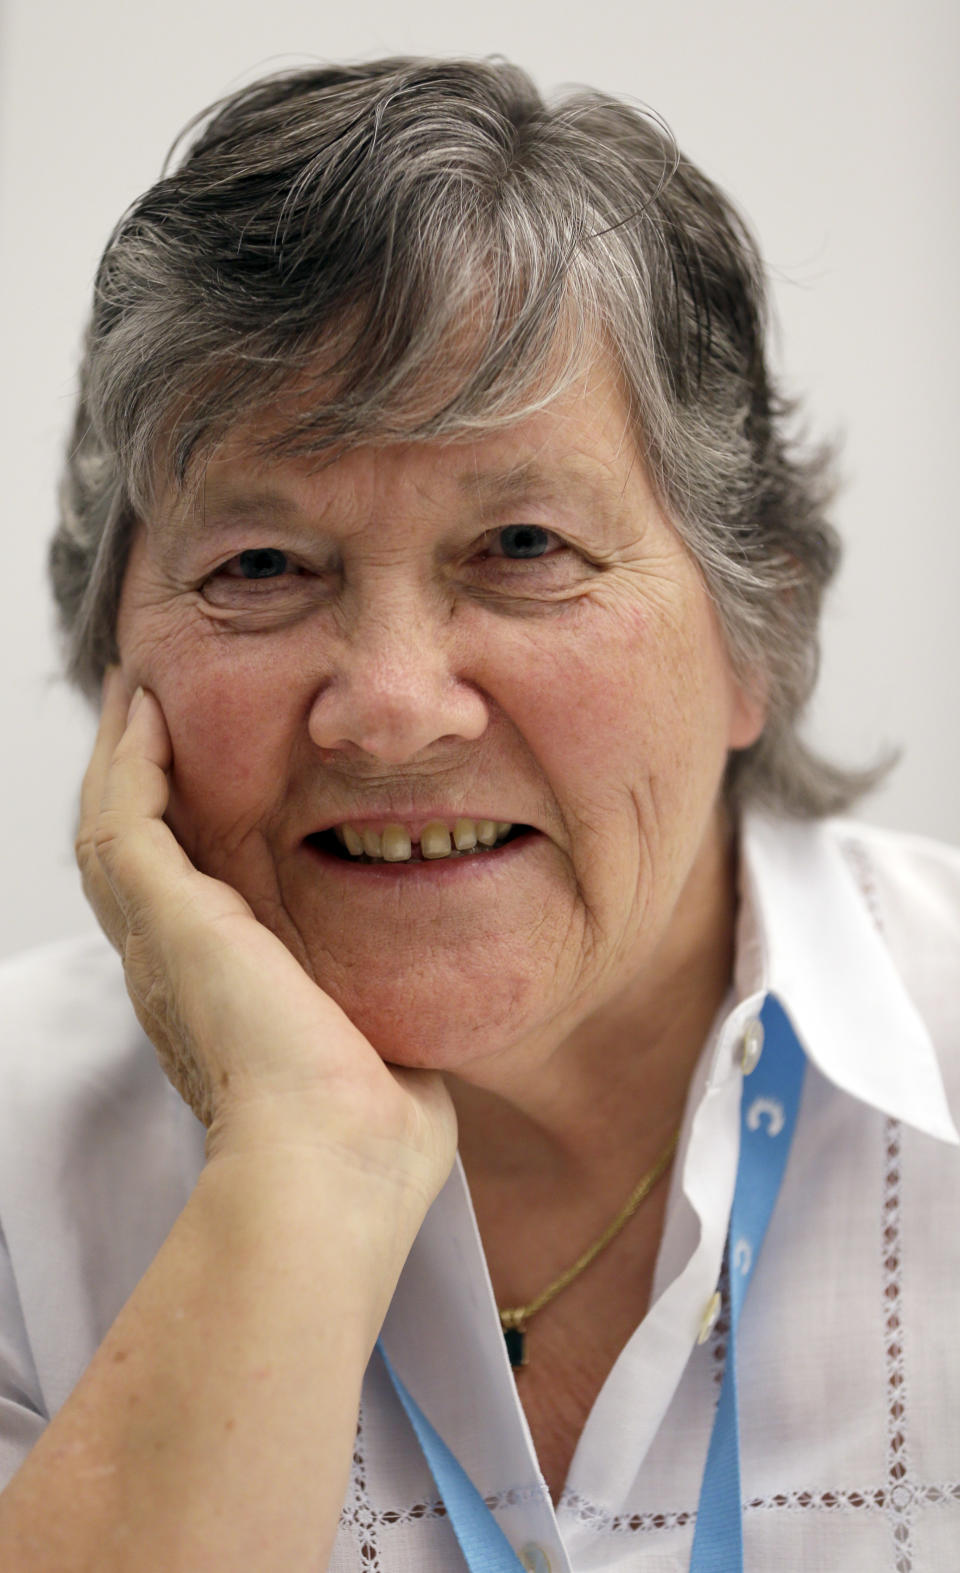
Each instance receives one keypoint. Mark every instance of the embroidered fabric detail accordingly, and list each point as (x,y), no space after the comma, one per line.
(622,1523)
(717,1342)
(898,1495)
(364,1522)
(828,1501)
(360,1519)
(938,1494)
(894,1498)
(901,1493)
(514,1496)
(863,872)
(857,1501)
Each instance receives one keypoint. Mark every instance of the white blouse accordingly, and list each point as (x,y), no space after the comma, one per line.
(850,1340)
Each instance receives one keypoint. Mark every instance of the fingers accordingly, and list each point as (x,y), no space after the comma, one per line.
(135,785)
(121,838)
(113,720)
(96,886)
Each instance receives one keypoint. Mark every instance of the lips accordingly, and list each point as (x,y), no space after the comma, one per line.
(391,841)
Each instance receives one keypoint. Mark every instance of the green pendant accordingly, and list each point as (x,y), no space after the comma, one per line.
(515,1339)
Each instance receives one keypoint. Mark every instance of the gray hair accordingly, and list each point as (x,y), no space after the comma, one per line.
(431,250)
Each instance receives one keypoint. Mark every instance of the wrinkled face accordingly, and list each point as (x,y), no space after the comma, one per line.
(408,646)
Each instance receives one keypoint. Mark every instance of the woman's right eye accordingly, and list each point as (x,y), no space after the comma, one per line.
(262,577)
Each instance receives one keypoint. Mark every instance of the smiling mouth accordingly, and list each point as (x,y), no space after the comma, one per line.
(438,841)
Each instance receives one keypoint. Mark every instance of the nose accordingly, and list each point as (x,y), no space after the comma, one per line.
(394,689)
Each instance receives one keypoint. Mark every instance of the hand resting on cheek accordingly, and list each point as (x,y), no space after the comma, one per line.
(256,1049)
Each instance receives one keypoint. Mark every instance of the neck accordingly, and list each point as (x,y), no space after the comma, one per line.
(577,1121)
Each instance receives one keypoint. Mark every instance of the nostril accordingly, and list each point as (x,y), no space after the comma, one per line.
(392,714)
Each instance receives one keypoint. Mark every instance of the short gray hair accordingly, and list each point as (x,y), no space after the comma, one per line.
(335,229)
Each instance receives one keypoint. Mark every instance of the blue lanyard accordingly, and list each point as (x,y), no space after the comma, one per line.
(482,1541)
(769,1105)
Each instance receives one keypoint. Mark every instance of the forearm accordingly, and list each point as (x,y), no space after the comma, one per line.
(213,1429)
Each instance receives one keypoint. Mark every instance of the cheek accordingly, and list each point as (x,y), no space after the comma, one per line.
(226,736)
(229,729)
(630,720)
(627,687)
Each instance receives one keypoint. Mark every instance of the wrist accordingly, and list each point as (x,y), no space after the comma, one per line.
(276,1210)
(406,1159)
(271,1146)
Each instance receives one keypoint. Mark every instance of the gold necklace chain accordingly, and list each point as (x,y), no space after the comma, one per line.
(514,1319)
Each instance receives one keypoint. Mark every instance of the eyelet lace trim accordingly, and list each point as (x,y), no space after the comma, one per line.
(897,1496)
(365,1523)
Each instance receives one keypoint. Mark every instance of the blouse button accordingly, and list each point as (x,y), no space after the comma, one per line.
(708,1321)
(751,1046)
(534,1559)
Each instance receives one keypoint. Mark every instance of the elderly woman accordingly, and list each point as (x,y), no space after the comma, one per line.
(433,528)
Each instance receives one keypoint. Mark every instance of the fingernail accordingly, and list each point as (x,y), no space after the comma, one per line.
(138,695)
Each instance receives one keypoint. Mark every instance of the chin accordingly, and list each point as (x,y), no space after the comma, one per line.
(424,1029)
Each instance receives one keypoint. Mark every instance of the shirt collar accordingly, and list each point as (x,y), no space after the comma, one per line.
(807,935)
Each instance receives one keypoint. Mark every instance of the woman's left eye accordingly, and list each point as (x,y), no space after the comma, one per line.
(263,562)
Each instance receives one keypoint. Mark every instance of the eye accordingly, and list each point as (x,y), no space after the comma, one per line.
(259,578)
(263,562)
(527,561)
(522,540)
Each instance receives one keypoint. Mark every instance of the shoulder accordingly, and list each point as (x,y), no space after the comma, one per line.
(859,927)
(98,1154)
(61,1005)
(85,1109)
(906,887)
(930,864)
(45,979)
(911,885)
(69,1039)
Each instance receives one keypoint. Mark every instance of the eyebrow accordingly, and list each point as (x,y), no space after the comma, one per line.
(233,501)
(228,502)
(495,487)
(560,487)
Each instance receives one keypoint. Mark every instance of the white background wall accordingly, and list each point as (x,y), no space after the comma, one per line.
(833,124)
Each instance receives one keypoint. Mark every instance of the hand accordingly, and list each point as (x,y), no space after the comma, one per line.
(256,1049)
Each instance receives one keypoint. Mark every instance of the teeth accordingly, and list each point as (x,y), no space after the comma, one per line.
(464,835)
(396,844)
(435,840)
(392,844)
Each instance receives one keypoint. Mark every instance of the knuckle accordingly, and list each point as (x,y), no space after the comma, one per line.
(89,847)
(105,838)
(83,849)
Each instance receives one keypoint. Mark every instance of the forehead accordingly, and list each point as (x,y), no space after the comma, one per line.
(579,451)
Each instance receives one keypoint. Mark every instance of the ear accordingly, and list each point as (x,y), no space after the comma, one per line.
(748,711)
